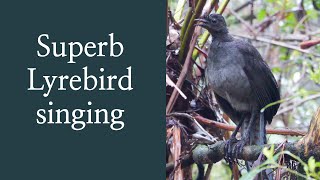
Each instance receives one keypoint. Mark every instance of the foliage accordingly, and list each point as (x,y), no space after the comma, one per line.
(311,168)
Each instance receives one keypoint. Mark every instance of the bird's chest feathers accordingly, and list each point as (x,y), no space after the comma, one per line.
(225,76)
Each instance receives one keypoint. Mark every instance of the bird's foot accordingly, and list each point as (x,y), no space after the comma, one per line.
(228,148)
(238,148)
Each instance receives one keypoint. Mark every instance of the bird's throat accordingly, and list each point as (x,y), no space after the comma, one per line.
(222,37)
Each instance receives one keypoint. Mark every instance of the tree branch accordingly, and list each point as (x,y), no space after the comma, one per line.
(228,127)
(206,154)
(277,43)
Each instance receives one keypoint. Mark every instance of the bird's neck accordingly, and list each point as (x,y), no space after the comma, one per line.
(221,36)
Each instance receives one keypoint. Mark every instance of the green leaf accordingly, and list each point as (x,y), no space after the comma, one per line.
(315,76)
(268,152)
(276,70)
(312,164)
(261,14)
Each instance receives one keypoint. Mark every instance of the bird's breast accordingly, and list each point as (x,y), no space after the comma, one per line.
(230,82)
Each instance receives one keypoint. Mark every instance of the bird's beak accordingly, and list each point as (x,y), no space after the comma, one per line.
(201,22)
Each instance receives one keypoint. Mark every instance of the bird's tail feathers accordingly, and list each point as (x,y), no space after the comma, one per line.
(257,135)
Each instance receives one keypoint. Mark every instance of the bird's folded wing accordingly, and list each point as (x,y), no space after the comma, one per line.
(262,81)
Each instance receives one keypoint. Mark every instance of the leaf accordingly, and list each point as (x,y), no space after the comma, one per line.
(276,69)
(268,152)
(312,164)
(315,76)
(261,14)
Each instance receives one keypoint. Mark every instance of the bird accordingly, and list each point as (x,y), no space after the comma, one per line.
(242,84)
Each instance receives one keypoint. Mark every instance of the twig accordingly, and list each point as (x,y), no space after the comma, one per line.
(174,22)
(201,134)
(241,7)
(248,26)
(278,43)
(303,19)
(202,52)
(227,127)
(251,12)
(287,37)
(267,22)
(289,108)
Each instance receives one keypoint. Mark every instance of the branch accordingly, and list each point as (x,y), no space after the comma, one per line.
(241,7)
(289,108)
(228,127)
(248,26)
(277,43)
(310,43)
(207,154)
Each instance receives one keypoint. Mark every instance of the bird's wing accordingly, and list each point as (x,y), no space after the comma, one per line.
(261,80)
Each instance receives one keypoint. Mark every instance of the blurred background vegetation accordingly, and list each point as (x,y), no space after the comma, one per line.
(281,30)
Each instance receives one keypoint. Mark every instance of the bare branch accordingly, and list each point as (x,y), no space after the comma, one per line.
(289,108)
(277,43)
(228,127)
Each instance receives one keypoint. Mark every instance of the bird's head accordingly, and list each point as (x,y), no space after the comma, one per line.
(214,23)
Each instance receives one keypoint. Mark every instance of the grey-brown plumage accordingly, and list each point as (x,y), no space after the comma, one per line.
(241,81)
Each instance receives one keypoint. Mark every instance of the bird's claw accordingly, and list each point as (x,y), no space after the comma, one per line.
(233,149)
(229,147)
(238,148)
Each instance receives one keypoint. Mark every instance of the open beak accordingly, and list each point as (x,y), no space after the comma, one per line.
(201,22)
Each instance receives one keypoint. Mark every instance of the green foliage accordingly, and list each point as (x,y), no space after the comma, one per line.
(315,75)
(276,70)
(261,14)
(311,169)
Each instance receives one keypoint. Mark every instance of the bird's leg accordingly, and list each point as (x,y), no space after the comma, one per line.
(234,134)
(245,136)
(232,140)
